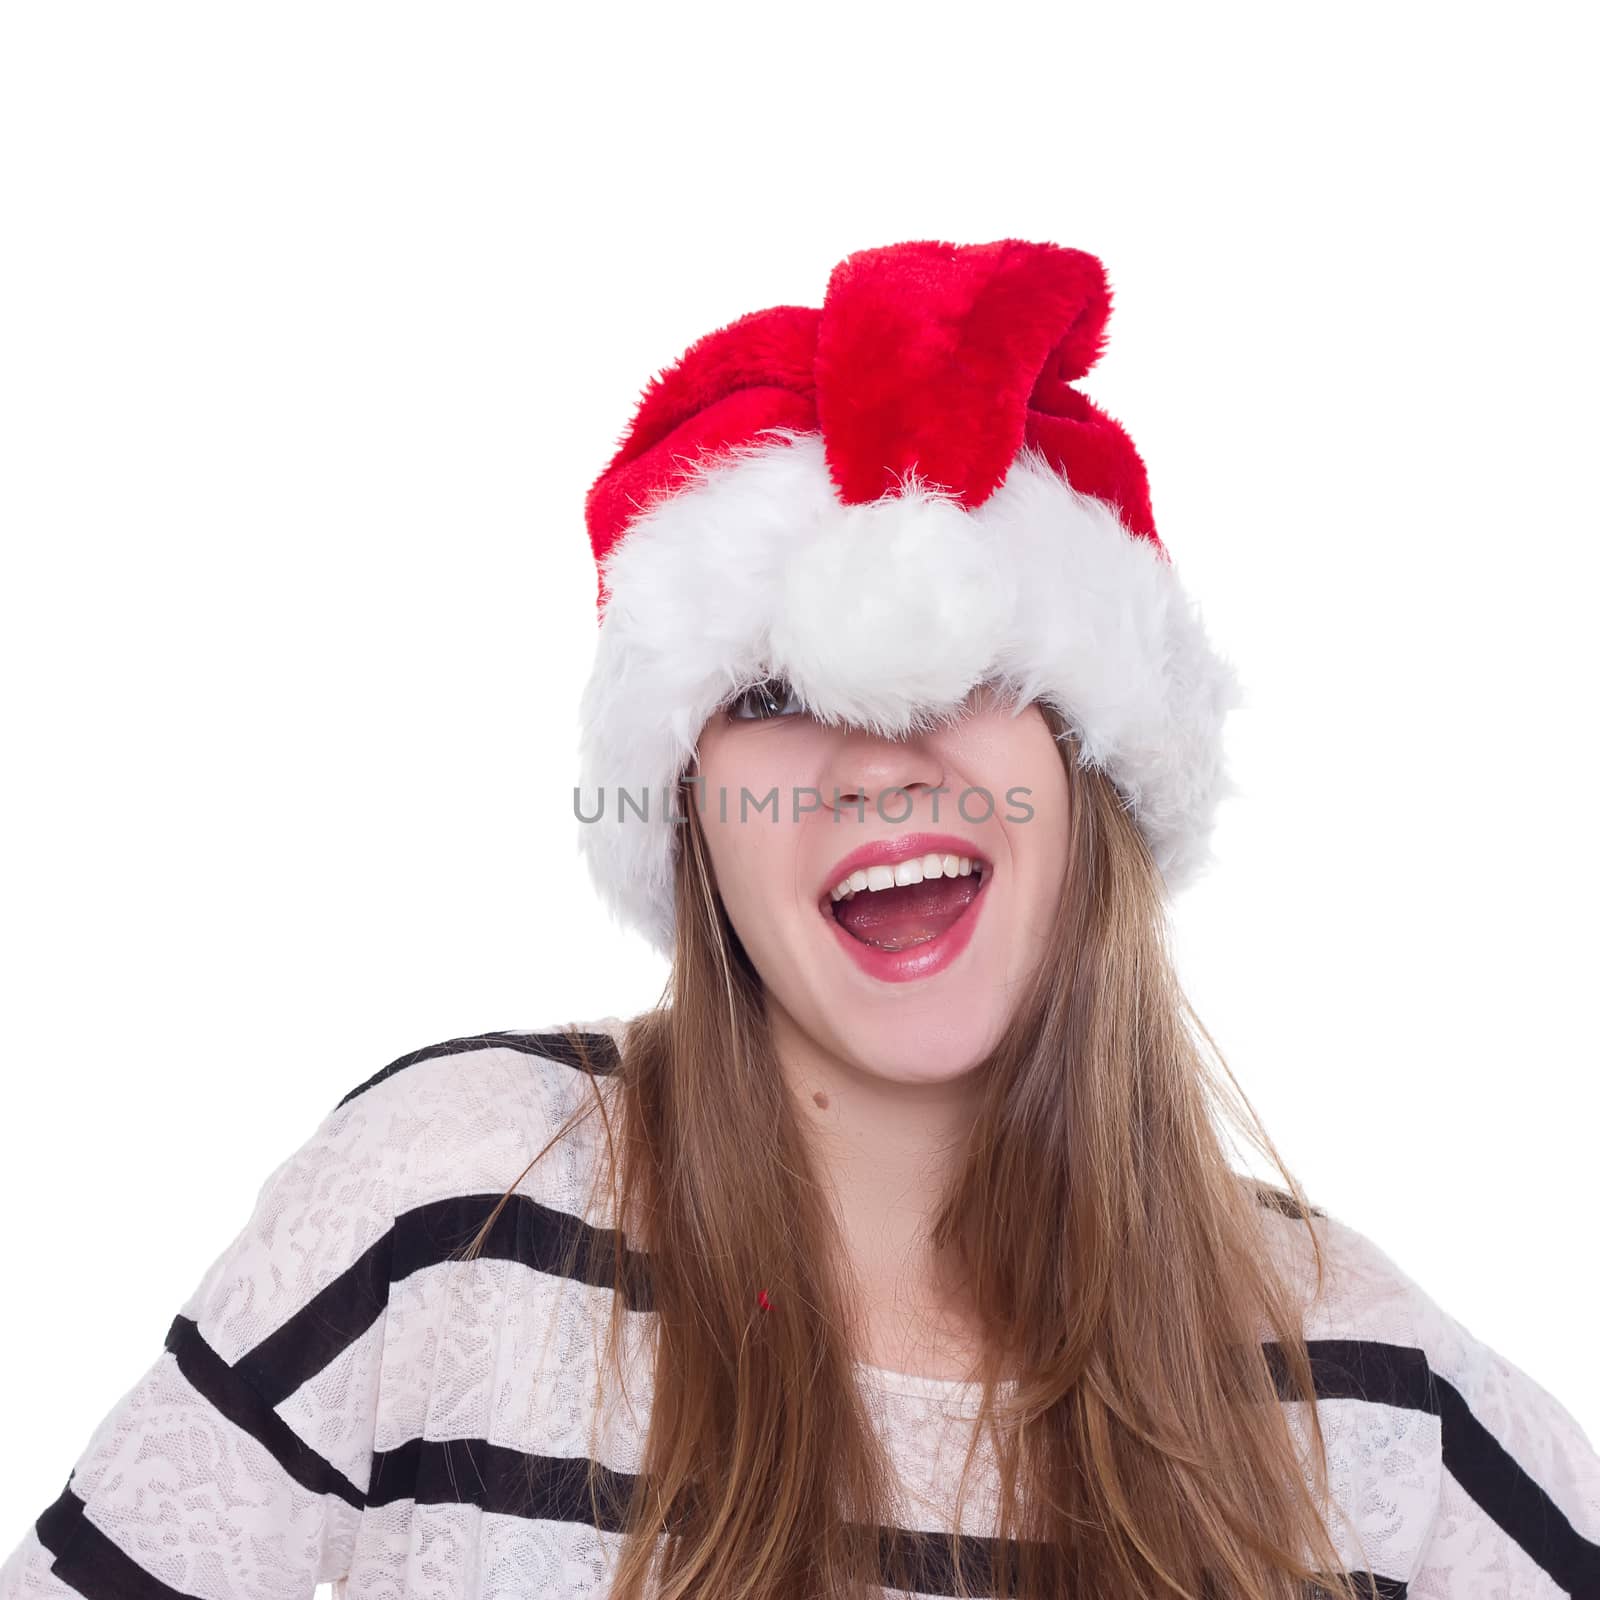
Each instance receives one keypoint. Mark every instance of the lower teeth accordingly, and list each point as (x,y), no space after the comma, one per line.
(906,944)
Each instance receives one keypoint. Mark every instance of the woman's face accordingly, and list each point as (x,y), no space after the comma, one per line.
(915,981)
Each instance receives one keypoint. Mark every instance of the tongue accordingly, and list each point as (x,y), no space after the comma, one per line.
(910,913)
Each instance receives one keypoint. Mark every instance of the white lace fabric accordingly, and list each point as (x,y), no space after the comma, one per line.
(341,1401)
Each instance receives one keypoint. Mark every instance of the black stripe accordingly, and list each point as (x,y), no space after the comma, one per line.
(324,1327)
(1398,1375)
(230,1393)
(1490,1474)
(601,1047)
(538,1236)
(495,1478)
(923,1561)
(1368,1584)
(1360,1369)
(542,1237)
(86,1560)
(1280,1200)
(549,1488)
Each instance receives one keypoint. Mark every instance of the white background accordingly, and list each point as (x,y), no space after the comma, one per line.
(318,321)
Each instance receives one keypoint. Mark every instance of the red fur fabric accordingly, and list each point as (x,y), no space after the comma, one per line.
(929,358)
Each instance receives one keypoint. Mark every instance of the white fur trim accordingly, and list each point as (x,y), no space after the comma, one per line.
(886,615)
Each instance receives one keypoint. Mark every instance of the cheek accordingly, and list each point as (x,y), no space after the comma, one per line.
(737,872)
(1041,841)
(1033,798)
(747,777)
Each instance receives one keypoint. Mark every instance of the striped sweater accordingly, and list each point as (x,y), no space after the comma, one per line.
(343,1401)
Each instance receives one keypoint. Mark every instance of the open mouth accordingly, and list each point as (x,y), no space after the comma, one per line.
(905,916)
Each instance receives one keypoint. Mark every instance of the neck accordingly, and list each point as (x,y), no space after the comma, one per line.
(885,1149)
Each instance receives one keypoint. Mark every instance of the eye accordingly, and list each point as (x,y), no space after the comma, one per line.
(771,698)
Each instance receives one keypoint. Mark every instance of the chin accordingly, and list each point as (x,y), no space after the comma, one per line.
(934,1041)
(926,1031)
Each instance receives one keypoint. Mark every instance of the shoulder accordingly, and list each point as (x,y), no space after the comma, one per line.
(1507,1477)
(313,1335)
(461,1117)
(419,1147)
(452,1116)
(1363,1293)
(1367,1297)
(571,1045)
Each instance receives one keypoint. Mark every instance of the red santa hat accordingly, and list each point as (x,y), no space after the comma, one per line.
(885,503)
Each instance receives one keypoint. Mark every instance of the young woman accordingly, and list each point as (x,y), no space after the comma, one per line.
(898,1249)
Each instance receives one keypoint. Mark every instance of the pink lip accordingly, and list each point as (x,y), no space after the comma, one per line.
(922,960)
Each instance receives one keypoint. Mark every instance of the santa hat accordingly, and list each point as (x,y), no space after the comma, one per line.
(885,503)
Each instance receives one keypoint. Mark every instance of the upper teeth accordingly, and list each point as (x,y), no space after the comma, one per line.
(912,871)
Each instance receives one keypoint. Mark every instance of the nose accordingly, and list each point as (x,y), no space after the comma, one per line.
(871,775)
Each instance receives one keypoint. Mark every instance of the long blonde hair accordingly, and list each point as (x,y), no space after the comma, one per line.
(1117,1260)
